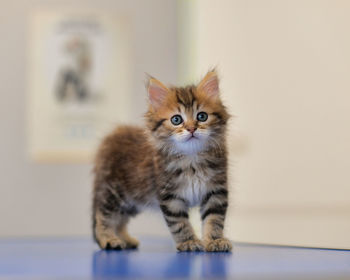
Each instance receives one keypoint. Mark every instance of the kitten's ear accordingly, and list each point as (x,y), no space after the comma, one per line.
(156,92)
(210,84)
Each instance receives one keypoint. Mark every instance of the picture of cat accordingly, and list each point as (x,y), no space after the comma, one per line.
(178,160)
(73,78)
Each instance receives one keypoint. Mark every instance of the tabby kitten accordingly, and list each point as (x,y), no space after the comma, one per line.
(178,161)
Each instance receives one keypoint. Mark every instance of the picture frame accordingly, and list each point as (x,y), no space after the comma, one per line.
(78,82)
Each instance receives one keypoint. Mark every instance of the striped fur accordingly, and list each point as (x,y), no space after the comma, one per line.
(166,166)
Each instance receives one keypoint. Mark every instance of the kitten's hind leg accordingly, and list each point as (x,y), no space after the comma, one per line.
(105,234)
(111,213)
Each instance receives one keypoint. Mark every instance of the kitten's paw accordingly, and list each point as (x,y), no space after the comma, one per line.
(112,244)
(218,245)
(132,243)
(190,245)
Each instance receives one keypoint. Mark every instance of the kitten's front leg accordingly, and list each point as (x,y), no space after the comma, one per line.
(213,211)
(175,212)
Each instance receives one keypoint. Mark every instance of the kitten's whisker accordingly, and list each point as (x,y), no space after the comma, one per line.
(217,144)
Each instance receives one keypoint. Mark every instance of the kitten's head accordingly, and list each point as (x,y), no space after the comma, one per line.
(187,120)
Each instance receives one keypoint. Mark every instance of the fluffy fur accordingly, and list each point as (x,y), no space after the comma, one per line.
(168,166)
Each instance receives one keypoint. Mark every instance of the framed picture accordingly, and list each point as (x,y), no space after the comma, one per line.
(78,80)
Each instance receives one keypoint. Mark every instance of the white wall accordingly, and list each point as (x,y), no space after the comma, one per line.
(54,199)
(285,71)
(285,76)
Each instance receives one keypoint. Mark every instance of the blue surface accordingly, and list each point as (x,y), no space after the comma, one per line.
(157,259)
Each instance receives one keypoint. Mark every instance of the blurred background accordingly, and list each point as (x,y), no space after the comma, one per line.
(71,70)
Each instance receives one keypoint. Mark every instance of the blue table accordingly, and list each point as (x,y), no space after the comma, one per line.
(79,258)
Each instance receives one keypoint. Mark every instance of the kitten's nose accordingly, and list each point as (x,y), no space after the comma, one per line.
(192,129)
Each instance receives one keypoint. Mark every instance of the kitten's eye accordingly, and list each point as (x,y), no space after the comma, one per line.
(176,120)
(202,116)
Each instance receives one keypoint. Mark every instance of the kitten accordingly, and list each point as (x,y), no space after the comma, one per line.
(177,161)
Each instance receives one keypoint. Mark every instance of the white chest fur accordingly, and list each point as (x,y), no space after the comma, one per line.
(193,192)
(193,184)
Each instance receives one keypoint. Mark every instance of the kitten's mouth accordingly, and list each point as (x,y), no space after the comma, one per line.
(192,137)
